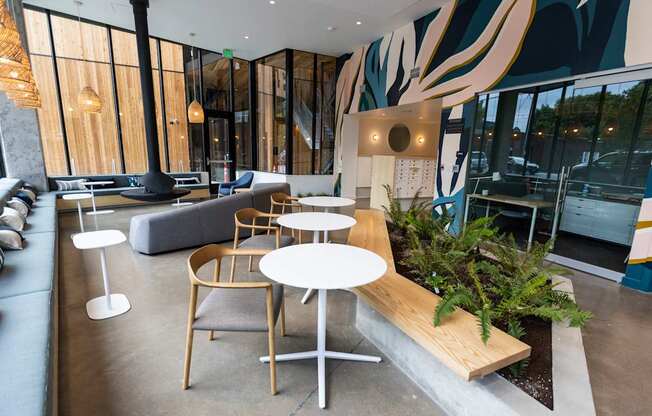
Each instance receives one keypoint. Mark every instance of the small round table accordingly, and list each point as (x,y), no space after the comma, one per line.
(109,305)
(78,197)
(323,267)
(91,185)
(315,222)
(181,181)
(327,203)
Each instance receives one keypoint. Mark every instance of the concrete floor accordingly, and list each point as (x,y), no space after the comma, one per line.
(132,364)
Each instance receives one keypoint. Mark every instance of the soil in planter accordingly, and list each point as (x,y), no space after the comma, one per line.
(536,379)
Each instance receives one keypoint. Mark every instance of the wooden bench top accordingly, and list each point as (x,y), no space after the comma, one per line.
(456,342)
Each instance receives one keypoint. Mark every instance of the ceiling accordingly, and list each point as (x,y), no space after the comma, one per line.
(296,24)
(427,111)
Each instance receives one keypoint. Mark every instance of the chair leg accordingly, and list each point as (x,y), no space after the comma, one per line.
(251,258)
(272,359)
(187,357)
(232,275)
(282,318)
(210,335)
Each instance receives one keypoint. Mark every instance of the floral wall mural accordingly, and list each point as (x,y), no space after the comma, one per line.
(471,46)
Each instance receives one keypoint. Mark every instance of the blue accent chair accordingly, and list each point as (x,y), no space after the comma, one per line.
(244,181)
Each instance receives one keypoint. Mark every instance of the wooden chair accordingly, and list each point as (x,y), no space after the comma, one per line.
(247,218)
(231,306)
(283,203)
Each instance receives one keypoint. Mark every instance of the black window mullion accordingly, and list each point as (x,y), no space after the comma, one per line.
(62,119)
(555,133)
(528,128)
(116,104)
(314,114)
(636,132)
(253,115)
(484,129)
(289,107)
(232,147)
(596,131)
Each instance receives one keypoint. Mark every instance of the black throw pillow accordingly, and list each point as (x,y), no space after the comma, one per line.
(25,198)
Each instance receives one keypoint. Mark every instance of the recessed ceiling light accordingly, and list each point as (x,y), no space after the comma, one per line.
(272,2)
(358,22)
(246,36)
(331,28)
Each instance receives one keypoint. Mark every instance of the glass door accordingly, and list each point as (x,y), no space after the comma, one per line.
(219,139)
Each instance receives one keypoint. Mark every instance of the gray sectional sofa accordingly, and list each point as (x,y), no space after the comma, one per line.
(203,223)
(28,312)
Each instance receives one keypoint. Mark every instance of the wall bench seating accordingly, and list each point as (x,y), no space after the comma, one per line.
(109,196)
(203,223)
(410,307)
(29,313)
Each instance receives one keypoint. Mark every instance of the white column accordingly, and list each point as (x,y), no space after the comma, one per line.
(105,277)
(321,346)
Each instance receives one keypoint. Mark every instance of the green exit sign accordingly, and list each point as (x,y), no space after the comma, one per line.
(227,53)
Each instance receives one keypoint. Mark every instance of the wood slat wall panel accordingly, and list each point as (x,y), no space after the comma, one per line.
(67,42)
(48,116)
(171,56)
(92,138)
(38,36)
(125,51)
(132,120)
(177,121)
(410,307)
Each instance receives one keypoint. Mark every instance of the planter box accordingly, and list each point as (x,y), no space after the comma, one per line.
(492,394)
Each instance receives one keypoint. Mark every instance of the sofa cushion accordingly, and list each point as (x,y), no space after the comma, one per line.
(31,269)
(217,217)
(41,219)
(25,349)
(165,231)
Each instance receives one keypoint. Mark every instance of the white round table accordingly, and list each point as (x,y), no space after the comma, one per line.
(323,267)
(315,222)
(91,185)
(327,203)
(181,181)
(78,197)
(109,305)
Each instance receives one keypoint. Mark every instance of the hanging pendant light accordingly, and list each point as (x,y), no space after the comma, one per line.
(195,110)
(87,100)
(11,49)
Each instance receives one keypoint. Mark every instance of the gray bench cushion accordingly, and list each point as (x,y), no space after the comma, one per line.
(46,199)
(40,219)
(25,349)
(31,269)
(237,309)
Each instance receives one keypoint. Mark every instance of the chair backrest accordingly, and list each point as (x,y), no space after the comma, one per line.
(245,180)
(246,218)
(208,253)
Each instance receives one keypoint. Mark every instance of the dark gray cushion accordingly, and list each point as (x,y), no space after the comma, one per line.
(266,241)
(25,353)
(31,269)
(217,217)
(237,309)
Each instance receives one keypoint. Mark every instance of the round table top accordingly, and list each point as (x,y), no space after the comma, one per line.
(76,197)
(323,266)
(316,221)
(326,201)
(99,183)
(98,239)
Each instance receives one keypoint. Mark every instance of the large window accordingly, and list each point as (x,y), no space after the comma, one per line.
(243,140)
(272,111)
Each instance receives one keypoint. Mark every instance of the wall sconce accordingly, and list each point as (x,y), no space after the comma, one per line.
(374,137)
(420,140)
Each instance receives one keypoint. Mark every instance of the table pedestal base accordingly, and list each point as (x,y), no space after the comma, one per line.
(98,308)
(103,212)
(321,353)
(181,204)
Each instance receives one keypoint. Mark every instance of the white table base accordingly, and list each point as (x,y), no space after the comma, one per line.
(109,305)
(181,204)
(81,217)
(98,308)
(321,353)
(315,239)
(95,211)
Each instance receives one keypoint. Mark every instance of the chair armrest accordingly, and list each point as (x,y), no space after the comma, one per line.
(233,285)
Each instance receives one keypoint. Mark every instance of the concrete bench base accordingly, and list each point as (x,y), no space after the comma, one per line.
(491,395)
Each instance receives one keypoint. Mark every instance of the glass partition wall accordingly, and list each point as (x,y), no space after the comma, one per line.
(295,118)
(599,136)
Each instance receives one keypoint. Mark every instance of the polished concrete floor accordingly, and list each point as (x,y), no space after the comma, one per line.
(132,364)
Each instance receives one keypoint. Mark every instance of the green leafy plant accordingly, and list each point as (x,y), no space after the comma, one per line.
(415,213)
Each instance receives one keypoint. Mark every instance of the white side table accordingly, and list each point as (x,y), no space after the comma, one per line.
(327,203)
(324,267)
(109,305)
(91,185)
(78,197)
(181,181)
(315,222)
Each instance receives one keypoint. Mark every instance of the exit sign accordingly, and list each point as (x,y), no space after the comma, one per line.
(227,53)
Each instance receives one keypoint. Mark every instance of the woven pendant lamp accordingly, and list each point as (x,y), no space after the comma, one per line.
(11,75)
(10,46)
(195,110)
(88,100)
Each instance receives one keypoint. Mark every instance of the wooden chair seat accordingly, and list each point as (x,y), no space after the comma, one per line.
(238,310)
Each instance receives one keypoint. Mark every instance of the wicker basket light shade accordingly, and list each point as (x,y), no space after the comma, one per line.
(13,75)
(9,36)
(195,113)
(89,101)
(28,103)
(17,86)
